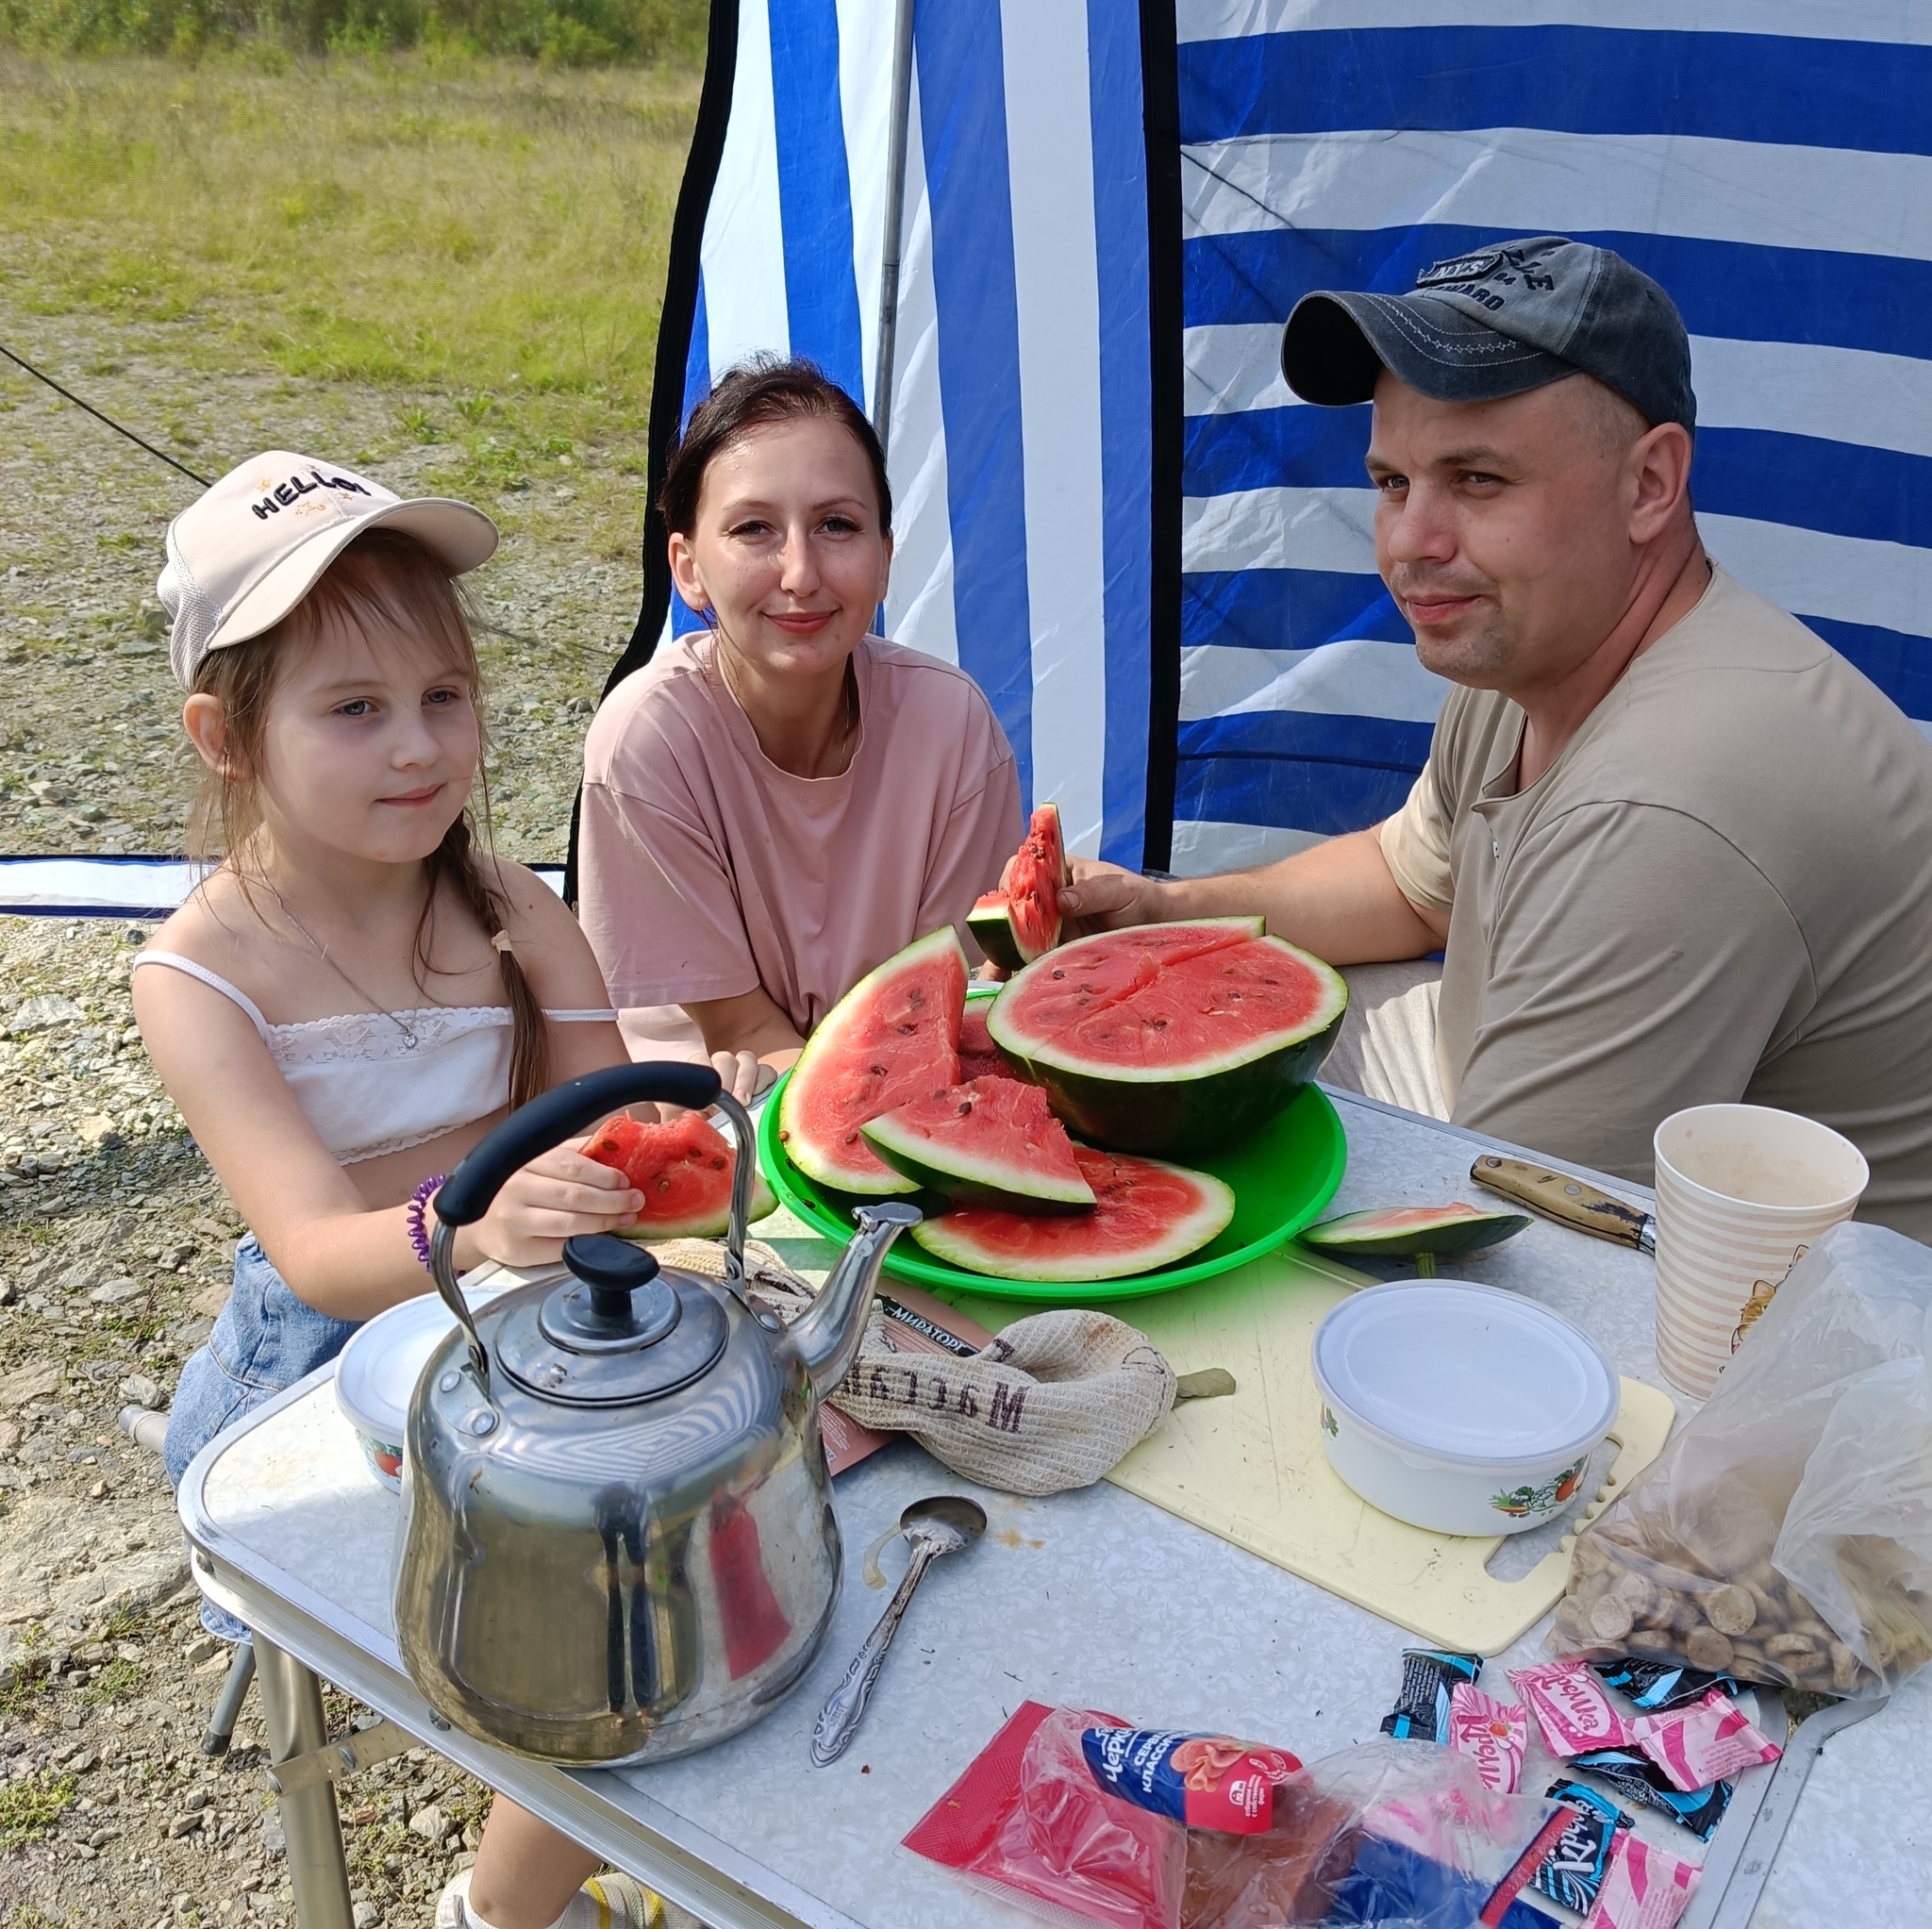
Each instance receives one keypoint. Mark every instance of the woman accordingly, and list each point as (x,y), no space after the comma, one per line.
(778,803)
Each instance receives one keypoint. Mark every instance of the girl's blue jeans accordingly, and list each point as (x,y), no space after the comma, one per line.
(264,1341)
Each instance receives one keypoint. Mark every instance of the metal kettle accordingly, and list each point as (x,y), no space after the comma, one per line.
(618,1541)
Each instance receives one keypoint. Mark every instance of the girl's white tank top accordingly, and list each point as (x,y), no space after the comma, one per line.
(366,1088)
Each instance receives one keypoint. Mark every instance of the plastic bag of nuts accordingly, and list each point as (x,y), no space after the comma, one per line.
(1785,1535)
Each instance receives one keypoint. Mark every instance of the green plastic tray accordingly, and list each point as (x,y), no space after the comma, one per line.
(1282,1175)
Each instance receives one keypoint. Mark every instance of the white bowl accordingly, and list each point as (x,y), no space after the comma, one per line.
(376,1375)
(1461,1408)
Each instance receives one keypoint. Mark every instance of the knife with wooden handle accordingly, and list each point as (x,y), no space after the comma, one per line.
(1567,1201)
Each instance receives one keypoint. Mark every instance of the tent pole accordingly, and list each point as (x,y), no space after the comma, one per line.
(895,220)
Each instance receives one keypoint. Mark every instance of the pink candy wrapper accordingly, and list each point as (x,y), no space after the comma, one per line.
(1698,1746)
(1645,1888)
(1493,1734)
(1572,1710)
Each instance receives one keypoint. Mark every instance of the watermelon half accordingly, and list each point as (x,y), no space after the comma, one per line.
(893,1037)
(1146,1214)
(993,1141)
(684,1170)
(991,927)
(1404,1232)
(1171,1038)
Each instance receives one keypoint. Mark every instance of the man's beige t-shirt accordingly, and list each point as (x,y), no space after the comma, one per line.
(1721,889)
(707,871)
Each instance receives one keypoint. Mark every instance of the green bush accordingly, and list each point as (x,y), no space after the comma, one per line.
(570,33)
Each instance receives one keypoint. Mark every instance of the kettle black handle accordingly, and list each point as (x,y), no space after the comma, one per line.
(465,1196)
(532,1130)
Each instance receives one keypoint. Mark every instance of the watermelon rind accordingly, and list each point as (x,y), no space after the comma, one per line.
(992,928)
(1406,1232)
(945,1238)
(841,1031)
(1167,1110)
(705,1225)
(1013,1184)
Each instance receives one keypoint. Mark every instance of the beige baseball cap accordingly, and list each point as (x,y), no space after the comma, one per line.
(249,551)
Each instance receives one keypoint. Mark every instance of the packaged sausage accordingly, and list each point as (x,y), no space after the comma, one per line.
(1078,1816)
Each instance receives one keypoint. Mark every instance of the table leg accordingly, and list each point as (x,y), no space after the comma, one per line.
(292,1712)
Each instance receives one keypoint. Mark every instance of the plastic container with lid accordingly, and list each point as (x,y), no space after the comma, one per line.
(376,1375)
(1462,1408)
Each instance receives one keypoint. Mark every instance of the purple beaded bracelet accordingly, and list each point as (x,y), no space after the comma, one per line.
(418,1201)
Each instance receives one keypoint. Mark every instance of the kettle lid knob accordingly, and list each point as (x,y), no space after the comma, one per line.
(627,1307)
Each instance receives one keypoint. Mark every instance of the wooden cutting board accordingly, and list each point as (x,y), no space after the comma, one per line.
(1250,1466)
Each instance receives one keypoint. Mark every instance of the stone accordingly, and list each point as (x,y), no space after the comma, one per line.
(203,1648)
(366,1915)
(116,1292)
(141,1391)
(98,1130)
(28,1383)
(430,1824)
(184,1826)
(210,1299)
(40,1014)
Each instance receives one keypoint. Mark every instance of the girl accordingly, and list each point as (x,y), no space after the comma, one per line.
(355,995)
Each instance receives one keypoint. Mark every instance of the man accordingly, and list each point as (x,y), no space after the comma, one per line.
(1676,850)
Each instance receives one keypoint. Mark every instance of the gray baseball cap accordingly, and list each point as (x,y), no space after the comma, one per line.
(1495,321)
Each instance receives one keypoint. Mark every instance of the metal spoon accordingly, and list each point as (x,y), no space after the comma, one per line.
(942,1524)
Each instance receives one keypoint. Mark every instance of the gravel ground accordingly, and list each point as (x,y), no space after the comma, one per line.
(116,1242)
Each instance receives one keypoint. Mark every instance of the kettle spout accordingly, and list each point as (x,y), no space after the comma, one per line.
(829,1333)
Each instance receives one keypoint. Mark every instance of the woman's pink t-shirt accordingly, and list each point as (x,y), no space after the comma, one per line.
(705,871)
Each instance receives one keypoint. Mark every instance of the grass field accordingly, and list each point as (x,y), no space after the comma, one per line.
(444,270)
(485,240)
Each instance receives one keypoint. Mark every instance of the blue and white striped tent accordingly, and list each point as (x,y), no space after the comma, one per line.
(1110,510)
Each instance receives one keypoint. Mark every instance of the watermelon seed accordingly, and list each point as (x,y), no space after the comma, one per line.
(1059,973)
(878,1070)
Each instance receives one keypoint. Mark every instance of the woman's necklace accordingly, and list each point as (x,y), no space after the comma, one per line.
(849,703)
(320,951)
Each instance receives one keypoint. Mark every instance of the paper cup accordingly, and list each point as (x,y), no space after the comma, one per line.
(1741,1192)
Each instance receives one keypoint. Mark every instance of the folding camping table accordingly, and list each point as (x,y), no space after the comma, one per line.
(1093,1598)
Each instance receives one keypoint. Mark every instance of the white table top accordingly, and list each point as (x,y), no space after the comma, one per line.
(1091,1598)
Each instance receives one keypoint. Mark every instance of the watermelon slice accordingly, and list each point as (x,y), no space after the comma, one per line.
(1033,885)
(1171,1038)
(979,1057)
(1021,921)
(893,1037)
(1146,1214)
(684,1170)
(993,1141)
(1402,1232)
(993,931)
